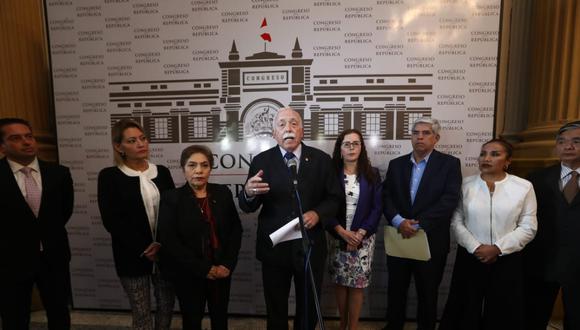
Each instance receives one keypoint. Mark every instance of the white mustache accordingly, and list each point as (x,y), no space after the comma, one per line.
(288,136)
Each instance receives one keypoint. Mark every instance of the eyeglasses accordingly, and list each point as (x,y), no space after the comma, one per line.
(574,141)
(351,145)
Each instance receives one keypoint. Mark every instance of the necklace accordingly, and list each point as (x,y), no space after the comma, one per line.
(203,203)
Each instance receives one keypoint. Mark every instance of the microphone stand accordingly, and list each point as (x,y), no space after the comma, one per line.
(307,246)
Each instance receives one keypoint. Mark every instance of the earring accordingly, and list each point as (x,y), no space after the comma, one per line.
(123,154)
(505,167)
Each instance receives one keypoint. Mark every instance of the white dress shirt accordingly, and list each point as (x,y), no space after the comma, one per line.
(565,175)
(19,176)
(506,219)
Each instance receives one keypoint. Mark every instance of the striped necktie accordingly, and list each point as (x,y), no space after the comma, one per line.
(32,191)
(571,188)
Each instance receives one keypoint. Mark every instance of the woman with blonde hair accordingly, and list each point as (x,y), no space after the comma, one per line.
(129,195)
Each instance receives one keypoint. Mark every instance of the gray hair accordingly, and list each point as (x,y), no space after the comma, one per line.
(567,127)
(435,126)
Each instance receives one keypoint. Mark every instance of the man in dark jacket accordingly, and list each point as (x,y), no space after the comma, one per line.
(269,185)
(552,259)
(36,201)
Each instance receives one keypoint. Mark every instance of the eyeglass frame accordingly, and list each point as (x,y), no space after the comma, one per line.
(351,145)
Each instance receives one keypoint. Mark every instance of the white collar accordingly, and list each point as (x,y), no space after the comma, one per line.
(297,152)
(426,158)
(16,167)
(150,172)
(565,171)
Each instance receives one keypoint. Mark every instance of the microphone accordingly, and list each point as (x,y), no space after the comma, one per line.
(292,168)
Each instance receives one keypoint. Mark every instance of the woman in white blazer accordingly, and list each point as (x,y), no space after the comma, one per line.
(495,219)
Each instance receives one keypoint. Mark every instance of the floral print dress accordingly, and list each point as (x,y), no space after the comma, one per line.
(351,268)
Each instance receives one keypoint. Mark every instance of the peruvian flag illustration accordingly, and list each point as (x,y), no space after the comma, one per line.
(265,36)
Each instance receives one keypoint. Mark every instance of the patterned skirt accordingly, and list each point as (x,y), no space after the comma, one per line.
(351,268)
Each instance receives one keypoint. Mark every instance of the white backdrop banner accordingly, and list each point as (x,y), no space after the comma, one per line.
(216,71)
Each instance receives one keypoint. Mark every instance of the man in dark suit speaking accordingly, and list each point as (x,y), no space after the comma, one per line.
(421,190)
(36,201)
(269,185)
(552,259)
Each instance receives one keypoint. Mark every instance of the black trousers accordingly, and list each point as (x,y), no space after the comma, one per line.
(485,297)
(540,296)
(427,275)
(277,281)
(194,293)
(53,282)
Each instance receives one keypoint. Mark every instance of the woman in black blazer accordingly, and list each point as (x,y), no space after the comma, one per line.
(129,196)
(201,234)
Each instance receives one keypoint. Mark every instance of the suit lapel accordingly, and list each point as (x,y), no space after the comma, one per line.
(406,179)
(188,195)
(553,182)
(305,160)
(215,211)
(431,166)
(278,165)
(363,196)
(45,175)
(13,188)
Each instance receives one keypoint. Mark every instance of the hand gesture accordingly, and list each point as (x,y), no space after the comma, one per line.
(255,186)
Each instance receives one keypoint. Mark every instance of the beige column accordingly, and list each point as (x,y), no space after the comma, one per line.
(24,75)
(539,81)
(24,70)
(549,88)
(513,92)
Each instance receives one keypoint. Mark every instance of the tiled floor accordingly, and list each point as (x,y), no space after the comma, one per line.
(91,320)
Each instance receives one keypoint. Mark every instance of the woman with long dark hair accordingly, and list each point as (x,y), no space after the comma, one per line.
(351,251)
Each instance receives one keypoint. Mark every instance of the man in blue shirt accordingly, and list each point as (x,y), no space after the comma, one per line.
(421,191)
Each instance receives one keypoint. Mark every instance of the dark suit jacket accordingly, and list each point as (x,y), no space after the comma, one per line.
(184,234)
(124,216)
(23,232)
(436,198)
(368,208)
(554,254)
(319,191)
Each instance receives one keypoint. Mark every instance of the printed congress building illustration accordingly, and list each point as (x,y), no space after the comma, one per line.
(242,101)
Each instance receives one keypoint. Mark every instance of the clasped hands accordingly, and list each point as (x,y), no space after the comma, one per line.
(486,253)
(151,251)
(353,239)
(217,272)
